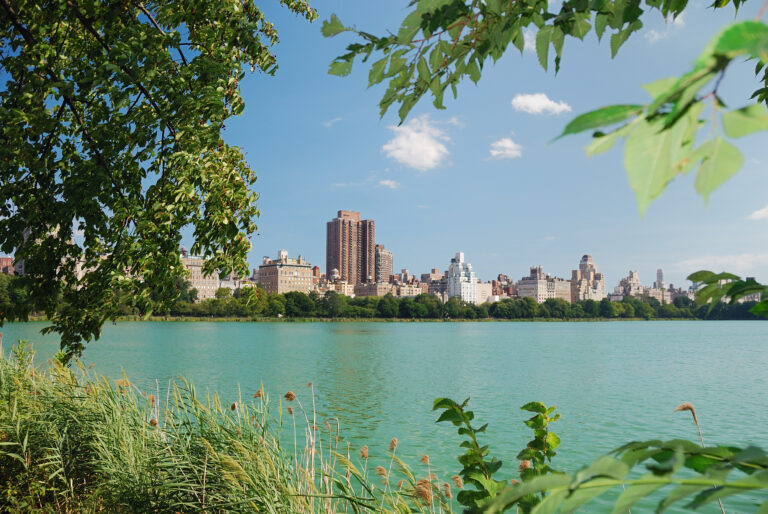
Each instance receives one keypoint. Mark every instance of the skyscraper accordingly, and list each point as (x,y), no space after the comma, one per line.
(660,279)
(384,264)
(462,281)
(350,248)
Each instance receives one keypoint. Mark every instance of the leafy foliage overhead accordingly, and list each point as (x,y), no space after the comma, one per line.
(442,42)
(112,115)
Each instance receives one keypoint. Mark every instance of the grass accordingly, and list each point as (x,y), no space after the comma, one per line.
(72,441)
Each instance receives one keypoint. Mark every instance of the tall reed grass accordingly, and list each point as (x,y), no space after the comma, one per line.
(73,441)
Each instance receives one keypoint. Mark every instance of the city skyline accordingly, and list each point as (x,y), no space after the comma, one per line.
(480,177)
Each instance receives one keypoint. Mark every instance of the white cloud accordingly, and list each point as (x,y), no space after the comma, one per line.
(539,103)
(421,206)
(330,122)
(505,148)
(672,25)
(418,144)
(740,263)
(389,183)
(654,35)
(529,36)
(760,214)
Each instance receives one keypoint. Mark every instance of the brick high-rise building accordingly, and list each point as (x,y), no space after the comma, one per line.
(350,248)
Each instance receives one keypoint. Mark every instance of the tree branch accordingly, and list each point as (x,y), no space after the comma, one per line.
(89,27)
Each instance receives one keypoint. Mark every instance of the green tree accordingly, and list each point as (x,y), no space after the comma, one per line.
(607,310)
(591,308)
(112,114)
(388,306)
(334,304)
(298,304)
(223,293)
(406,308)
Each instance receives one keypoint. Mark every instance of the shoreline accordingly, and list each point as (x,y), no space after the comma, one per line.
(195,319)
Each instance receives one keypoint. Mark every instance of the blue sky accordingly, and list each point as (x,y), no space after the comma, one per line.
(433,187)
(481,176)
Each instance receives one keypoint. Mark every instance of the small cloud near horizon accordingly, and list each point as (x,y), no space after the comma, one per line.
(505,148)
(330,122)
(738,263)
(419,144)
(538,103)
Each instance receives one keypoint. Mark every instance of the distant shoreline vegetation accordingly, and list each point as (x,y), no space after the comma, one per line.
(255,304)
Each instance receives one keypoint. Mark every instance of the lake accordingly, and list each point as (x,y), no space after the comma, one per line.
(612,381)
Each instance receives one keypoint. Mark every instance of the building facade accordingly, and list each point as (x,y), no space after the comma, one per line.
(461,280)
(542,287)
(206,285)
(285,274)
(6,265)
(384,264)
(351,248)
(586,282)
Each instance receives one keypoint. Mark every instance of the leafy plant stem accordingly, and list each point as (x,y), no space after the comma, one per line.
(762,10)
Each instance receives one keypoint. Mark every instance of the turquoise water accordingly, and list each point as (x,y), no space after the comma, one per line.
(613,381)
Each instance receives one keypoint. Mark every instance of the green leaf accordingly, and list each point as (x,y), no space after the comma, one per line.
(745,120)
(750,37)
(653,156)
(340,68)
(581,25)
(619,38)
(600,118)
(633,494)
(543,39)
(723,161)
(410,27)
(660,86)
(678,494)
(553,440)
(376,74)
(600,21)
(580,496)
(534,407)
(333,26)
(551,502)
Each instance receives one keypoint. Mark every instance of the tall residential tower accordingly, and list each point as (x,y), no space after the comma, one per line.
(350,248)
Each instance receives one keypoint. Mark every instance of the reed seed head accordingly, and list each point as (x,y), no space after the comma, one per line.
(153,422)
(457,481)
(381,472)
(515,482)
(432,476)
(447,490)
(290,411)
(309,384)
(234,406)
(400,484)
(290,396)
(123,382)
(257,394)
(393,444)
(689,407)
(423,490)
(92,365)
(364,452)
(524,464)
(151,400)
(327,424)
(425,459)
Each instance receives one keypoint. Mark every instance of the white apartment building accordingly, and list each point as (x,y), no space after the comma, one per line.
(461,280)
